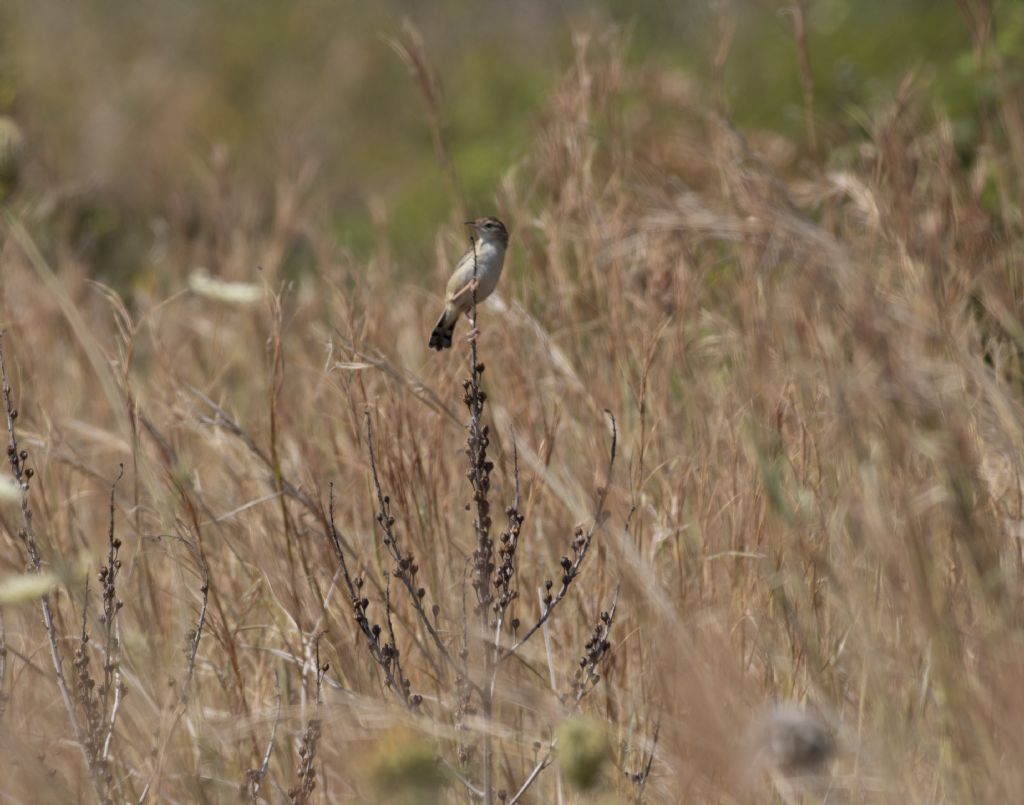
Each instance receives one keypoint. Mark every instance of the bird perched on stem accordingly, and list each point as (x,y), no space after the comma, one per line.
(485,259)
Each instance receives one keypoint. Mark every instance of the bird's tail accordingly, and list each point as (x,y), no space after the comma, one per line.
(441,338)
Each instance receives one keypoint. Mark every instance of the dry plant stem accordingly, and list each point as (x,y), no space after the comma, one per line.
(580,547)
(463,689)
(796,13)
(506,570)
(112,626)
(196,633)
(221,419)
(384,654)
(483,557)
(128,330)
(83,690)
(22,476)
(597,648)
(321,668)
(101,705)
(191,504)
(586,679)
(454,772)
(483,570)
(256,776)
(403,377)
(405,565)
(482,565)
(276,384)
(3,667)
(641,777)
(542,764)
(396,657)
(306,772)
(193,637)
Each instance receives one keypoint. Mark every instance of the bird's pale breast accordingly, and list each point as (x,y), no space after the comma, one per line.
(489,260)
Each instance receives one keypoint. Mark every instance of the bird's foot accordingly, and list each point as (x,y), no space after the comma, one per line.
(467,289)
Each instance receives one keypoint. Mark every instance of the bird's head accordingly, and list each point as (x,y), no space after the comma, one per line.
(489,229)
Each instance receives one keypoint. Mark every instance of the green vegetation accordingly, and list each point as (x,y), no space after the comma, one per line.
(133,99)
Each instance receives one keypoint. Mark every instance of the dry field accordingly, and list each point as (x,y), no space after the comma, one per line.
(800,580)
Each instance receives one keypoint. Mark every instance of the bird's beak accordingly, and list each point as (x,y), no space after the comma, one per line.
(470,223)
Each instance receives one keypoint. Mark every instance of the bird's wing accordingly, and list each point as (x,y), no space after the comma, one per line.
(462,275)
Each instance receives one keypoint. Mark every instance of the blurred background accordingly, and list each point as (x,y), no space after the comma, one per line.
(133,114)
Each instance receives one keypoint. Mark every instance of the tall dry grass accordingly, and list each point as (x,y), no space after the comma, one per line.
(816,376)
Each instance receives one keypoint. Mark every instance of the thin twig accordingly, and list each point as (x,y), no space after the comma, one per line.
(3,666)
(321,669)
(532,778)
(392,644)
(586,675)
(22,476)
(381,653)
(112,624)
(195,634)
(221,419)
(483,556)
(472,789)
(506,570)
(405,565)
(580,547)
(641,777)
(256,777)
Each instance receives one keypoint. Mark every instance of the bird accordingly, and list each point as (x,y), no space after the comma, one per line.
(485,258)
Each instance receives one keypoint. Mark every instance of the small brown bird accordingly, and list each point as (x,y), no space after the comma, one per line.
(489,245)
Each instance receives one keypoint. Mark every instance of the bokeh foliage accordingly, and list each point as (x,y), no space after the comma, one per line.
(132,102)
